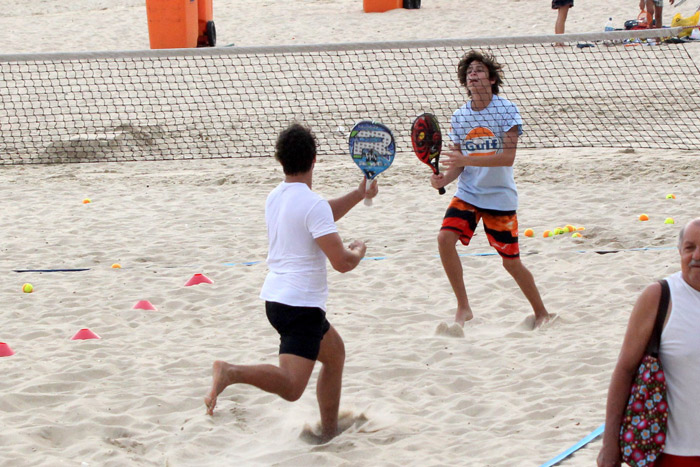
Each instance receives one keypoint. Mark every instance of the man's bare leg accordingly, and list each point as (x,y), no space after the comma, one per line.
(287,380)
(526,282)
(447,245)
(330,379)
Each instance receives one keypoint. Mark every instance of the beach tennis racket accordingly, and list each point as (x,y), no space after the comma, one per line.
(427,141)
(372,148)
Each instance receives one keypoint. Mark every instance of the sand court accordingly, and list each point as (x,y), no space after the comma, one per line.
(411,394)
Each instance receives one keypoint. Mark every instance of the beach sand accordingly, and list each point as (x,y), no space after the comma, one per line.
(414,393)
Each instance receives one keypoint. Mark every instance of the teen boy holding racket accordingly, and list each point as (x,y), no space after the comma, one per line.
(302,234)
(484,133)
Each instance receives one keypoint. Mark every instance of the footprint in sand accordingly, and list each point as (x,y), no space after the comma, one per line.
(529,322)
(449,330)
(346,420)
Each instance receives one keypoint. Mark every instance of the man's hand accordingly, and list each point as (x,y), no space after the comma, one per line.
(368,193)
(359,247)
(609,457)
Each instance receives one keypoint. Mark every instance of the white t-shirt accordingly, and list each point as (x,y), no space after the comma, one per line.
(295,217)
(679,353)
(480,133)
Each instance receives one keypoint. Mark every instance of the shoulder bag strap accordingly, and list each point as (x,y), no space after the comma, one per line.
(655,340)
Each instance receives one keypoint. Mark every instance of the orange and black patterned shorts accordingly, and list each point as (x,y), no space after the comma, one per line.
(501,227)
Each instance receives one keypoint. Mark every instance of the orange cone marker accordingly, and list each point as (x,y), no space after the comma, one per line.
(5,350)
(198,279)
(144,305)
(84,334)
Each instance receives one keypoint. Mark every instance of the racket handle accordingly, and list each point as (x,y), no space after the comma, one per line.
(441,191)
(368,183)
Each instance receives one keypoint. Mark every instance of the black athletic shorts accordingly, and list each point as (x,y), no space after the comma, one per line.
(556,4)
(301,328)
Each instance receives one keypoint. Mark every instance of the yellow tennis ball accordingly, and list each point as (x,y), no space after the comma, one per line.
(669,220)
(116,266)
(670,196)
(570,228)
(27,288)
(576,235)
(87,201)
(558,231)
(547,233)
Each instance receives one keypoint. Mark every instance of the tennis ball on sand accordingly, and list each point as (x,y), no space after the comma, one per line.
(559,231)
(669,220)
(87,201)
(643,217)
(576,235)
(670,196)
(27,288)
(529,232)
(570,228)
(547,233)
(116,266)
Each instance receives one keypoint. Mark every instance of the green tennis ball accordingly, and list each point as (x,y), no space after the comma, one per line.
(27,288)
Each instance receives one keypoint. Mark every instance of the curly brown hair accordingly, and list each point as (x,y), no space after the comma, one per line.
(489,61)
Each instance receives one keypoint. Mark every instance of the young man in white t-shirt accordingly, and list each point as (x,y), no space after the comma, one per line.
(484,134)
(302,234)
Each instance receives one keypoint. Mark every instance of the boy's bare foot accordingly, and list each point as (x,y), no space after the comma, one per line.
(221,378)
(463,315)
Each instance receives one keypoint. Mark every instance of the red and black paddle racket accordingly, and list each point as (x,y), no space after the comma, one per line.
(427,141)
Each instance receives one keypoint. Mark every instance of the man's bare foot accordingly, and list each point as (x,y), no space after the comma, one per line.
(540,319)
(463,315)
(221,378)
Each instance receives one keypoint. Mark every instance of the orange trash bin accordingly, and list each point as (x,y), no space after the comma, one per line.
(380,6)
(172,24)
(206,29)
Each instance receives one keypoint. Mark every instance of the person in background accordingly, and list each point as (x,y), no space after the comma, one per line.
(562,7)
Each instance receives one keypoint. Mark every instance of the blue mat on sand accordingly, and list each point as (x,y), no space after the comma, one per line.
(594,434)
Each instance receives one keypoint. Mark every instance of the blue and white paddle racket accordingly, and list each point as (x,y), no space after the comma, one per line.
(372,147)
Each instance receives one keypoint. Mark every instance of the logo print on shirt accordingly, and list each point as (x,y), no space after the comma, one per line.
(481,142)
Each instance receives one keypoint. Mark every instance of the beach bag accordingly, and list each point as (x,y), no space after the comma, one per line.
(643,427)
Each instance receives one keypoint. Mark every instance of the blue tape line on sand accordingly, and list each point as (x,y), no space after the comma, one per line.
(377,258)
(247,263)
(594,434)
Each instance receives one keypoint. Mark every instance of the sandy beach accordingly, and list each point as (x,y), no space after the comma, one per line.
(413,394)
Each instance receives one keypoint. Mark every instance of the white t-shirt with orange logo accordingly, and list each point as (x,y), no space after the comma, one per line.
(480,133)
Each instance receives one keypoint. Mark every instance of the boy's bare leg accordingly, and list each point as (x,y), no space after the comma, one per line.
(526,282)
(330,379)
(447,245)
(287,380)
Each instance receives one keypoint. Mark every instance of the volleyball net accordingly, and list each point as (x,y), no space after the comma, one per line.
(631,89)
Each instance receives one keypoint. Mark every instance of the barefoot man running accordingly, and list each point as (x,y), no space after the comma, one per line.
(301,234)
